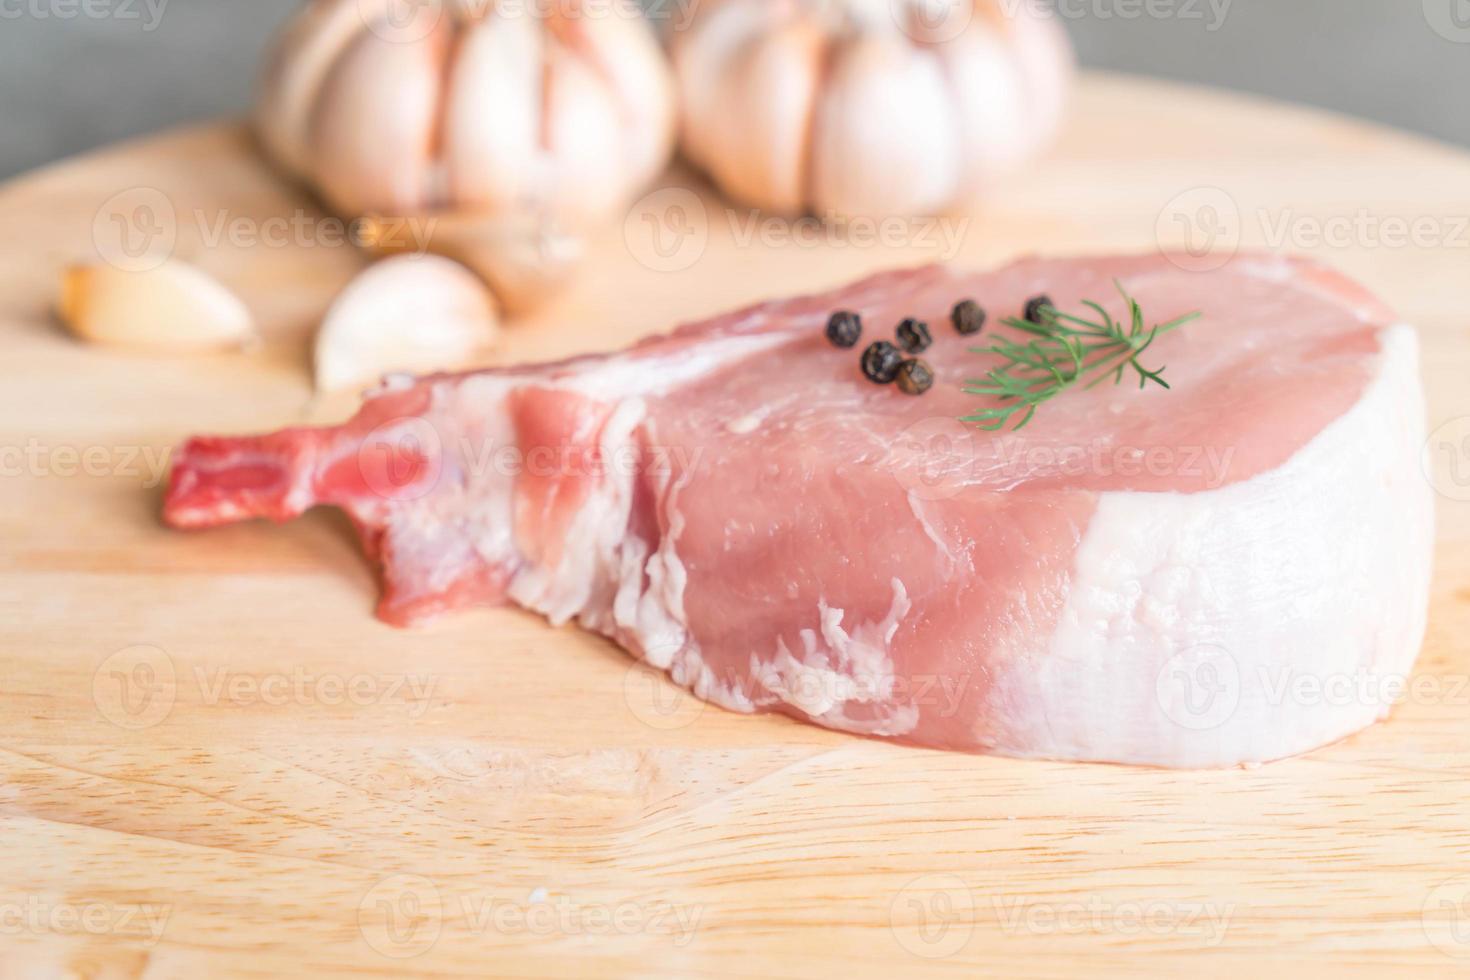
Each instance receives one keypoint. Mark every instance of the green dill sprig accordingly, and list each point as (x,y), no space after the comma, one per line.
(1062,350)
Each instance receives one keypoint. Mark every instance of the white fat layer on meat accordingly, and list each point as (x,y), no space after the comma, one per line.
(1197,627)
(465,515)
(651,618)
(658,615)
(615,378)
(471,492)
(606,576)
(608,580)
(591,551)
(615,583)
(653,375)
(839,669)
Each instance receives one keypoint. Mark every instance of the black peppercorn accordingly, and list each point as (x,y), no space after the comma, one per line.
(1034,307)
(915,377)
(968,317)
(913,336)
(881,361)
(845,328)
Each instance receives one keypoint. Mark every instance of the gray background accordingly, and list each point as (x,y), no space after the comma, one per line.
(78,73)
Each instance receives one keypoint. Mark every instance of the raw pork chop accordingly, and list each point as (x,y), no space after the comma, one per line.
(1149,576)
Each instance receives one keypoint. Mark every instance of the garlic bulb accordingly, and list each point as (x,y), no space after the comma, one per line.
(407,313)
(867,107)
(402,106)
(172,308)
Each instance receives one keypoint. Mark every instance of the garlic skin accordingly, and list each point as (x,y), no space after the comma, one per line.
(406,313)
(562,108)
(173,308)
(867,107)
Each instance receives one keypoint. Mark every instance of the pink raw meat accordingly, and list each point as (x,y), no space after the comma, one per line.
(1136,576)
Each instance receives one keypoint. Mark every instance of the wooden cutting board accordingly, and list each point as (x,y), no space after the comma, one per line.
(216,761)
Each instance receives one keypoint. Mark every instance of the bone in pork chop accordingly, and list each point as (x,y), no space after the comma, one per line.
(1135,576)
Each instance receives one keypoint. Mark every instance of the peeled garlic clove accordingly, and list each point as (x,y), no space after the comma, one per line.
(526,259)
(174,307)
(883,95)
(408,313)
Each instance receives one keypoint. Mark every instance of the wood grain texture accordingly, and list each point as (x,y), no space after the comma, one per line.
(214,761)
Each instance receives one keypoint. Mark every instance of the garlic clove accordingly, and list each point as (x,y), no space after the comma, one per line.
(374,124)
(525,258)
(171,308)
(702,56)
(884,141)
(992,108)
(495,160)
(583,135)
(764,113)
(1047,63)
(293,74)
(626,53)
(408,313)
